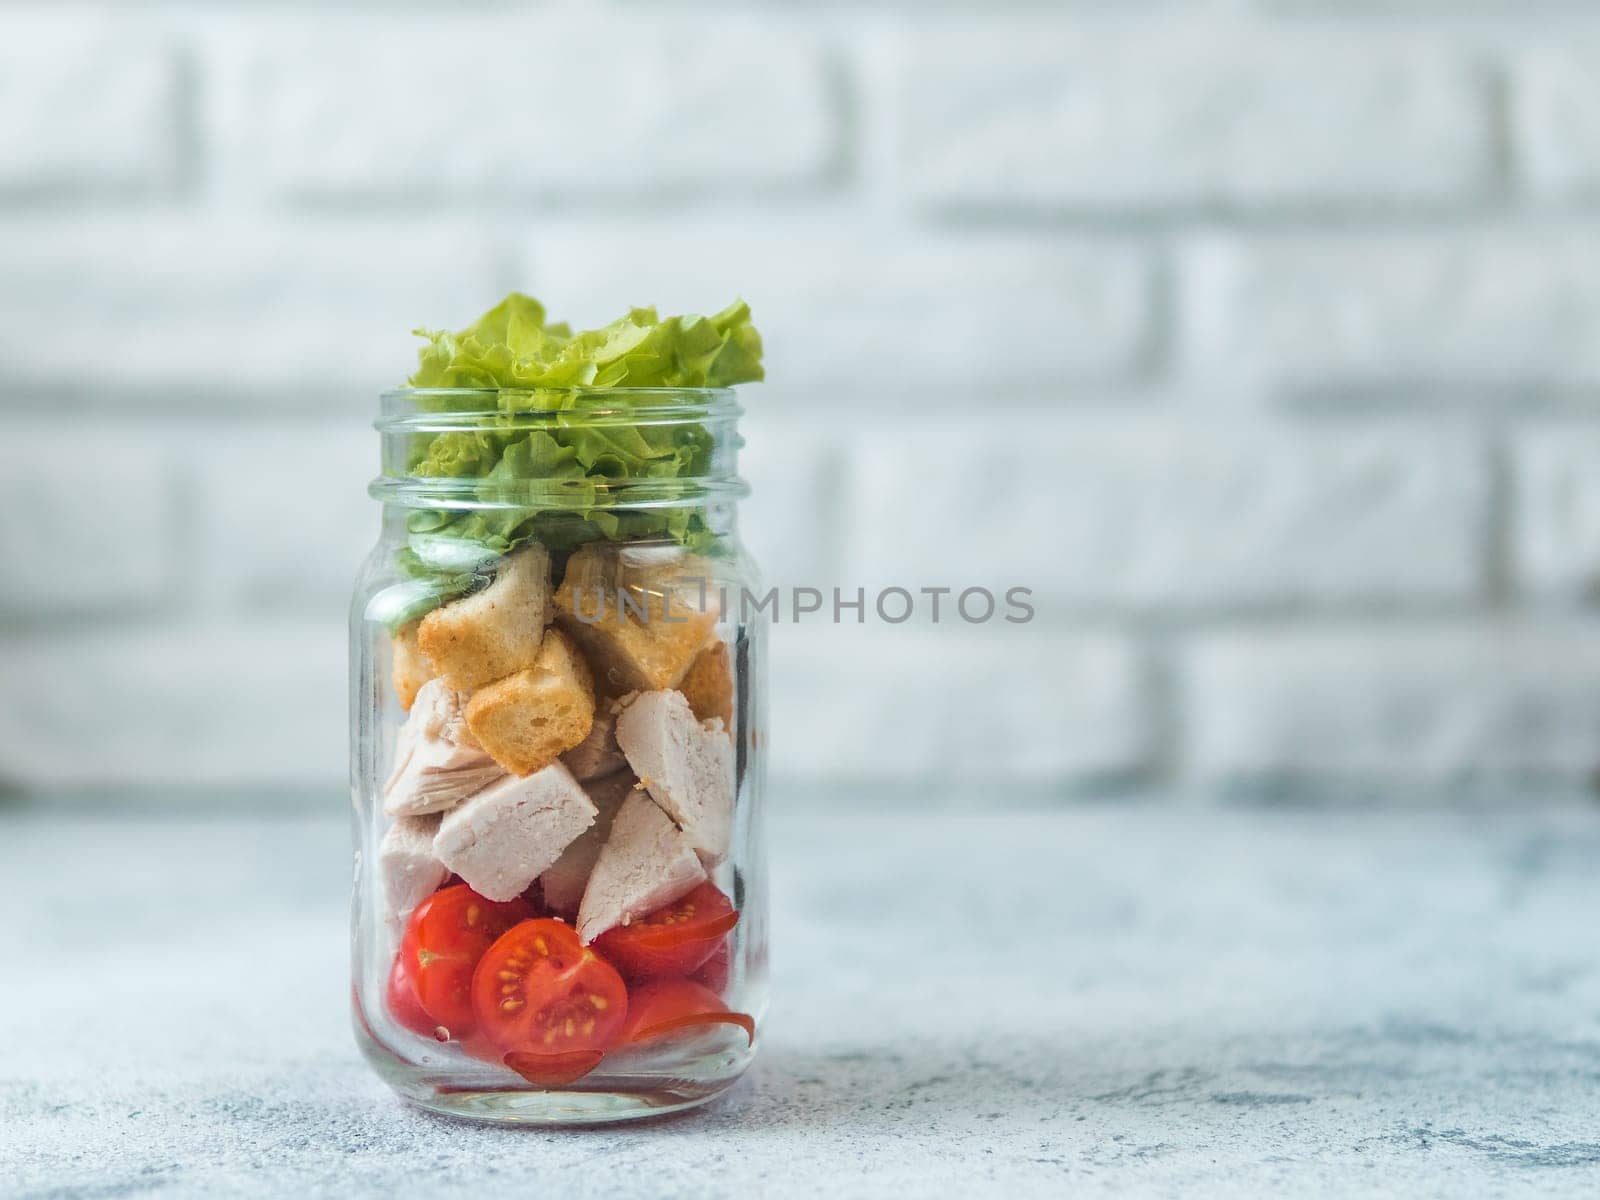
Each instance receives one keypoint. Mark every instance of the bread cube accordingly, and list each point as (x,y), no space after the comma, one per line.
(687,766)
(494,632)
(708,685)
(438,762)
(411,666)
(598,755)
(638,613)
(504,837)
(528,720)
(647,862)
(564,883)
(410,870)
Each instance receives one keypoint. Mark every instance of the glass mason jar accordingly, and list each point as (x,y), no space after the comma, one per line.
(557,733)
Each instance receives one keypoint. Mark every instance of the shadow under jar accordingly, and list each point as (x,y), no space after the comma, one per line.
(556,763)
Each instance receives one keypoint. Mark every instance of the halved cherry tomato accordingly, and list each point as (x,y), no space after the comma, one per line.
(444,939)
(717,969)
(403,1004)
(668,1005)
(673,940)
(550,1069)
(552,1005)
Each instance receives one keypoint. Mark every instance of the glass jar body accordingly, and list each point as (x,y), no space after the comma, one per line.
(559,910)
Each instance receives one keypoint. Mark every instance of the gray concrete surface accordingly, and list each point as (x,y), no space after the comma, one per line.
(1140,1001)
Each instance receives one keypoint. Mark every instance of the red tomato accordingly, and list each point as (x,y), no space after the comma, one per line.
(669,1005)
(444,939)
(550,1069)
(717,969)
(404,1006)
(672,941)
(552,1005)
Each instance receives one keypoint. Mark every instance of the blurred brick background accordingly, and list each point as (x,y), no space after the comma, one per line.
(1262,340)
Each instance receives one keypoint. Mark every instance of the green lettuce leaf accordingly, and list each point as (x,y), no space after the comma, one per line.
(513,348)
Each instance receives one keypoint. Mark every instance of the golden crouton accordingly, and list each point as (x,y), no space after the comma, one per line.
(641,620)
(708,685)
(495,632)
(529,719)
(411,666)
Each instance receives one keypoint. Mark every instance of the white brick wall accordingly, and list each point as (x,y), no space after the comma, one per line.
(791,517)
(1141,120)
(1557,123)
(1556,514)
(1146,514)
(1342,313)
(412,105)
(1075,709)
(1260,338)
(268,546)
(182,309)
(89,523)
(1417,704)
(88,108)
(191,704)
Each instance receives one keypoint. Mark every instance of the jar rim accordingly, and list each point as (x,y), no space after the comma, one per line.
(410,412)
(407,401)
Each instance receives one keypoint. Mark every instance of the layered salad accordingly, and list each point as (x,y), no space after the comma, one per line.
(560,804)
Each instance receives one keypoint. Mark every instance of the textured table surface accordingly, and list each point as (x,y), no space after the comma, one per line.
(1151,1000)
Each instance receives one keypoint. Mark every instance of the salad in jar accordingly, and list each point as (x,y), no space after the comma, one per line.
(556,750)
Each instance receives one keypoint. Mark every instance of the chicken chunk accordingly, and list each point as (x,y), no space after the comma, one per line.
(647,862)
(504,837)
(494,632)
(438,763)
(411,871)
(564,882)
(598,755)
(641,617)
(527,720)
(687,766)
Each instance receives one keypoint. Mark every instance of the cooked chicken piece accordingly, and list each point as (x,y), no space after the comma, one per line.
(564,882)
(647,862)
(598,755)
(527,720)
(493,632)
(640,616)
(687,766)
(410,869)
(708,685)
(411,666)
(504,837)
(438,763)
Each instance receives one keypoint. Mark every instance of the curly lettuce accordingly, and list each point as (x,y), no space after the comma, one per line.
(513,349)
(513,346)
